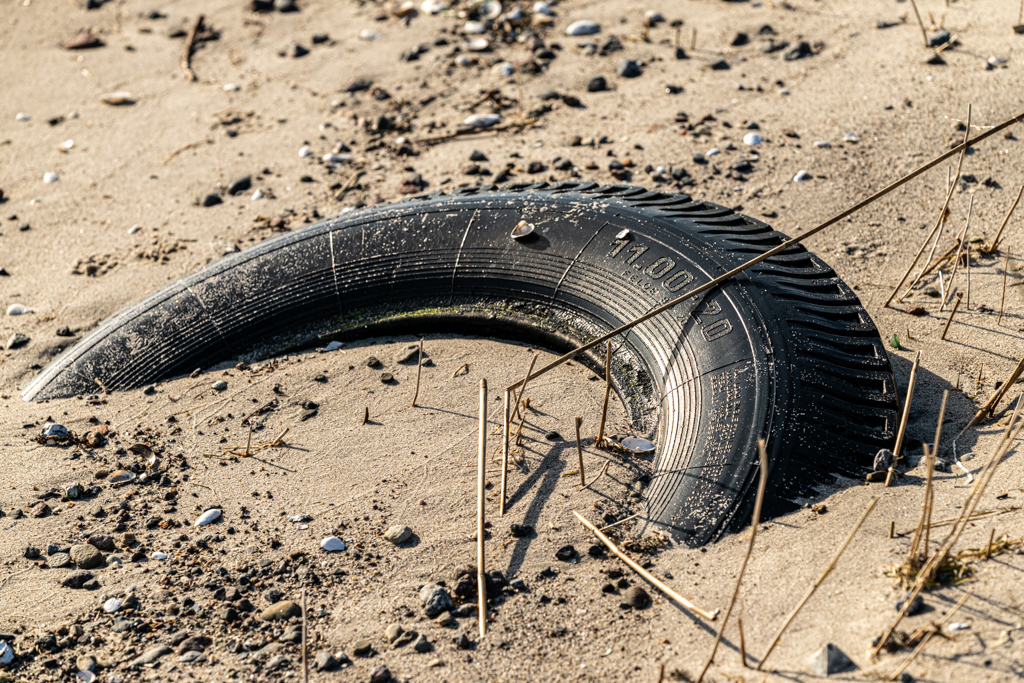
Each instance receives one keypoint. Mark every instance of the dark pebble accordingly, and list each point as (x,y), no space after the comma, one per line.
(636,597)
(521,530)
(566,553)
(386,378)
(65,332)
(597,84)
(740,39)
(553,436)
(76,579)
(17,340)
(477,155)
(320,38)
(802,49)
(372,362)
(720,65)
(212,200)
(240,185)
(629,68)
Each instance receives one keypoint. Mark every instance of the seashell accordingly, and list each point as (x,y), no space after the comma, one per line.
(134,229)
(583,28)
(302,527)
(503,69)
(635,444)
(482,120)
(478,45)
(823,144)
(996,60)
(300,518)
(112,605)
(434,6)
(336,158)
(333,346)
(18,309)
(22,116)
(120,476)
(208,517)
(801,176)
(473,27)
(305,151)
(625,234)
(141,449)
(543,8)
(521,230)
(367,34)
(50,177)
(752,139)
(490,9)
(157,555)
(850,137)
(117,99)
(332,544)
(85,677)
(258,194)
(6,653)
(514,14)
(404,9)
(52,430)
(713,152)
(232,87)
(66,145)
(73,491)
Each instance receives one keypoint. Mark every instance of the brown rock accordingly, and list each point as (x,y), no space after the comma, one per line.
(40,509)
(280,611)
(84,40)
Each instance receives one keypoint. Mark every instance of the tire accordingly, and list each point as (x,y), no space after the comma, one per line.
(784,350)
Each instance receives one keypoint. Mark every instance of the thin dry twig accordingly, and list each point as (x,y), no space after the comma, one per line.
(522,390)
(956,260)
(911,383)
(305,664)
(504,457)
(924,34)
(787,244)
(481,573)
(579,451)
(993,401)
(191,145)
(754,522)
(608,387)
(952,312)
(1002,298)
(190,45)
(650,578)
(814,587)
(895,676)
(419,371)
(1002,226)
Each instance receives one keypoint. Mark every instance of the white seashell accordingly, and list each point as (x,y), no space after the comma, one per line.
(752,139)
(6,653)
(208,517)
(625,234)
(333,346)
(801,176)
(491,9)
(134,229)
(635,444)
(660,170)
(521,230)
(117,99)
(120,476)
(850,137)
(300,518)
(474,27)
(367,34)
(514,14)
(543,8)
(112,605)
(66,145)
(583,28)
(258,194)
(652,17)
(503,69)
(85,677)
(50,177)
(997,61)
(22,116)
(52,430)
(713,152)
(332,544)
(959,626)
(463,60)
(433,6)
(478,45)
(302,527)
(305,151)
(232,87)
(336,158)
(482,120)
(823,144)
(157,555)
(18,309)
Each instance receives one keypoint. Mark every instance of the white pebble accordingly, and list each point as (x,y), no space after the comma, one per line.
(305,151)
(752,139)
(258,194)
(478,45)
(997,61)
(503,69)
(157,555)
(66,145)
(473,27)
(660,170)
(850,137)
(959,626)
(117,99)
(463,60)
(801,176)
(433,6)
(332,544)
(22,116)
(112,605)
(482,120)
(336,158)
(208,517)
(713,152)
(824,144)
(134,229)
(543,8)
(583,28)
(367,34)
(18,309)
(333,346)
(50,177)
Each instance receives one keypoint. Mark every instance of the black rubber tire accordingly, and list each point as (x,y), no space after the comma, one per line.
(783,351)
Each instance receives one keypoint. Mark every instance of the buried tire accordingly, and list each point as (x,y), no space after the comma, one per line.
(783,351)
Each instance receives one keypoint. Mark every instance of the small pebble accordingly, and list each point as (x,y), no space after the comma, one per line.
(18,309)
(219,385)
(398,534)
(305,152)
(597,84)
(801,176)
(752,139)
(50,177)
(583,28)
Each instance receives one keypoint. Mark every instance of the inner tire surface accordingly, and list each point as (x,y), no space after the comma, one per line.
(784,351)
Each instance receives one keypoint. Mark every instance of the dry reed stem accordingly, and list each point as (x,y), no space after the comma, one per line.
(924,34)
(911,383)
(1002,226)
(579,451)
(419,371)
(650,578)
(190,45)
(814,587)
(787,244)
(743,642)
(608,383)
(931,566)
(604,471)
(366,414)
(976,515)
(1002,298)
(522,390)
(924,641)
(481,574)
(956,260)
(755,520)
(949,320)
(993,402)
(924,526)
(504,458)
(305,664)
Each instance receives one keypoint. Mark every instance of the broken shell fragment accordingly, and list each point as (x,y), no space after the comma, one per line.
(481,120)
(208,517)
(159,555)
(298,519)
(85,677)
(332,544)
(73,491)
(118,99)
(112,605)
(583,28)
(120,476)
(478,45)
(635,444)
(521,230)
(623,234)
(18,309)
